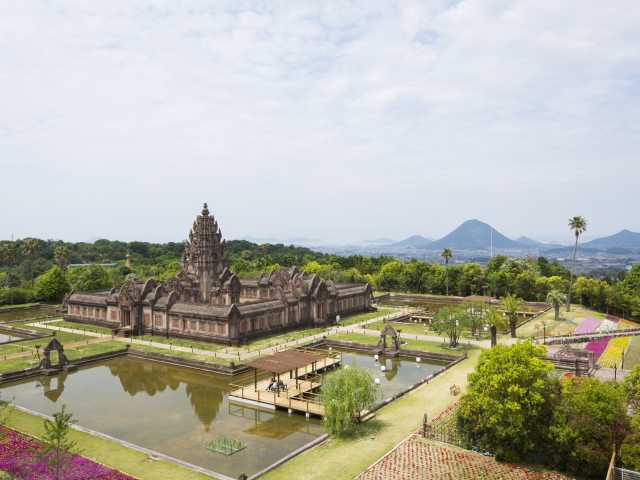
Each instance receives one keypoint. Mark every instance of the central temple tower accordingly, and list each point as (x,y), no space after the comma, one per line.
(204,253)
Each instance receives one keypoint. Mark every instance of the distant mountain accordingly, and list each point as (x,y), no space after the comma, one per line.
(622,239)
(530,242)
(475,235)
(414,241)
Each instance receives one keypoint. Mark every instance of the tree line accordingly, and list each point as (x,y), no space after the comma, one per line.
(34,269)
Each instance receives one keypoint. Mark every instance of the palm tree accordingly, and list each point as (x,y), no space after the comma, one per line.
(579,226)
(556,298)
(29,249)
(447,254)
(496,321)
(512,305)
(61,252)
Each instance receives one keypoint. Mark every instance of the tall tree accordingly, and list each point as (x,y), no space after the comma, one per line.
(451,322)
(447,254)
(496,321)
(345,395)
(61,254)
(578,225)
(29,249)
(555,298)
(512,305)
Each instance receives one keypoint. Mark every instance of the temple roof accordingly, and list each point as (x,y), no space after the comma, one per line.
(218,311)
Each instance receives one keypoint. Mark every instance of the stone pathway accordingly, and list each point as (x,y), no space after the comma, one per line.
(420,459)
(236,356)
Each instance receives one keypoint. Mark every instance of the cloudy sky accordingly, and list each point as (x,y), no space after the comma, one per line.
(330,120)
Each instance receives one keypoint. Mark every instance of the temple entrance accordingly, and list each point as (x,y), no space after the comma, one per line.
(56,350)
(126,318)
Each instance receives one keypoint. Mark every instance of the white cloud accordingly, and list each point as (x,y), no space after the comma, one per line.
(321,119)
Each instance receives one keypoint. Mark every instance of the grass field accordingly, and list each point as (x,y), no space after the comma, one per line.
(31,361)
(184,355)
(632,358)
(83,327)
(435,347)
(566,325)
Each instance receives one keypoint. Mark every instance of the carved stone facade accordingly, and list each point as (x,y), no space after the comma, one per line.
(208,301)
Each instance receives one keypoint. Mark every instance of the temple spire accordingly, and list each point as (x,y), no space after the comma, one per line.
(205,210)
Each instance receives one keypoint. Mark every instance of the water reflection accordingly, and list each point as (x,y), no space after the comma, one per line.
(53,393)
(205,395)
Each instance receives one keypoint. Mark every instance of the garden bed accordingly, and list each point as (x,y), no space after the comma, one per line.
(20,456)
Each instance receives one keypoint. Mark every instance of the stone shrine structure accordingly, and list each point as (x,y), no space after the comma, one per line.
(207,301)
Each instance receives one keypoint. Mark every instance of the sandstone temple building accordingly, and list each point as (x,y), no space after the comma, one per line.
(206,300)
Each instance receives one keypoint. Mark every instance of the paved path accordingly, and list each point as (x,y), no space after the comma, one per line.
(236,356)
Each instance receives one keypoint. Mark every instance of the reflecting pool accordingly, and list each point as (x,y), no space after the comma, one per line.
(399,373)
(173,410)
(177,411)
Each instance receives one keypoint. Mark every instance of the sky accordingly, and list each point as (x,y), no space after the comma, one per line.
(331,121)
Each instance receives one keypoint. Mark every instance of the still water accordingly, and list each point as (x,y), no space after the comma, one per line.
(399,373)
(173,410)
(176,410)
(5,337)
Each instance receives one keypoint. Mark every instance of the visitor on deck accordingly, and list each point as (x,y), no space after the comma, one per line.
(272,384)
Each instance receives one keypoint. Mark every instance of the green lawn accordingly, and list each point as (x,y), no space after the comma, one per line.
(363,317)
(63,337)
(632,357)
(112,454)
(82,326)
(18,306)
(420,329)
(71,353)
(184,355)
(181,342)
(435,347)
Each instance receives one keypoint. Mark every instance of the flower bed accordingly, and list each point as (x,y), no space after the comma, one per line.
(598,346)
(19,457)
(607,326)
(613,353)
(588,325)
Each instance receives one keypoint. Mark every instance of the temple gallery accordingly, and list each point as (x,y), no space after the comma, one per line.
(206,300)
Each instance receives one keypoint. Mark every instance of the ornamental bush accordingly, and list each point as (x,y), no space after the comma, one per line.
(345,395)
(510,401)
(590,418)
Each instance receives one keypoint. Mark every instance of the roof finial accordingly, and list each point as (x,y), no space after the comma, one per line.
(205,210)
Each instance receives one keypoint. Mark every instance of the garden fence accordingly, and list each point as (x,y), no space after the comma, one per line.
(624,474)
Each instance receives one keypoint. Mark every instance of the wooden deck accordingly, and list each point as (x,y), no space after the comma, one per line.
(300,394)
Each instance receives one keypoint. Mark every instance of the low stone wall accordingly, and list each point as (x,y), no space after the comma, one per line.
(181,362)
(24,333)
(373,349)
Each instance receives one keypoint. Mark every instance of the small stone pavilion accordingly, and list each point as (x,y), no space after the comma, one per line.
(207,301)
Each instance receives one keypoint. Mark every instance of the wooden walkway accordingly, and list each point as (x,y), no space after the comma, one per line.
(300,394)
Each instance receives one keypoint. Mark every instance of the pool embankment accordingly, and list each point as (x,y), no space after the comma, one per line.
(403,353)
